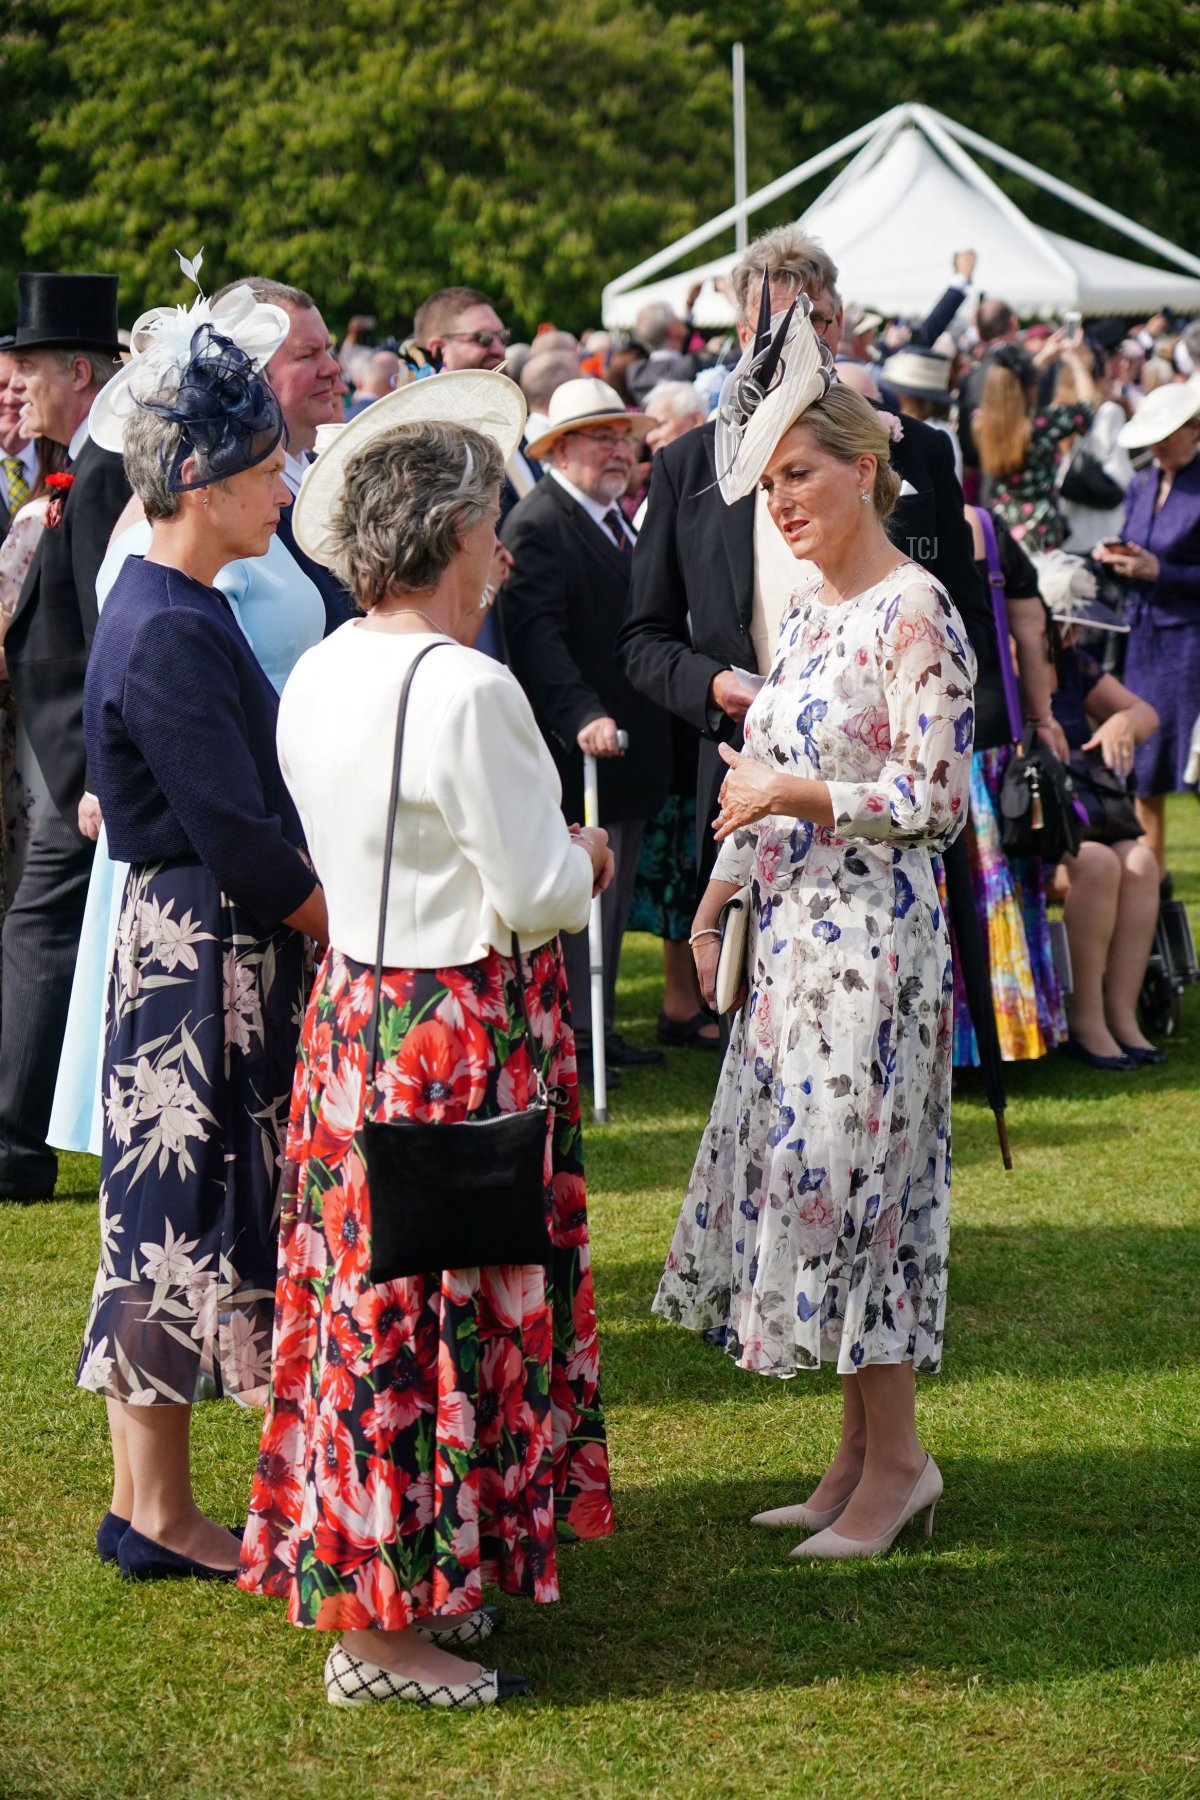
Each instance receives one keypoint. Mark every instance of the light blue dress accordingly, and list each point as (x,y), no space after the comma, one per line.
(282,614)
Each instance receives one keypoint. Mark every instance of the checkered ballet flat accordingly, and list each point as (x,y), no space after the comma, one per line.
(351,1682)
(473,1628)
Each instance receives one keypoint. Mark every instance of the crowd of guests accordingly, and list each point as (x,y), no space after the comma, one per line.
(804,595)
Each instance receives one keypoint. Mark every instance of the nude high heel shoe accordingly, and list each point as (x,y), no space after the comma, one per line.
(786,1518)
(830,1546)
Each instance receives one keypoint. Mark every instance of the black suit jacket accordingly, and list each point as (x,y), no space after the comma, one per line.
(51,632)
(693,583)
(938,318)
(338,605)
(563,606)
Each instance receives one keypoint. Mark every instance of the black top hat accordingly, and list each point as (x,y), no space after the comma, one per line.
(67,312)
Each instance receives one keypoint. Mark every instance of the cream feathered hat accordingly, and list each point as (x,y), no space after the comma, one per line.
(162,344)
(781,374)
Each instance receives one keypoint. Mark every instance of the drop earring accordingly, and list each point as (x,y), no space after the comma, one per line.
(864,496)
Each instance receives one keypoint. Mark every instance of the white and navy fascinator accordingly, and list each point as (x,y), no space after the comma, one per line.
(781,374)
(214,352)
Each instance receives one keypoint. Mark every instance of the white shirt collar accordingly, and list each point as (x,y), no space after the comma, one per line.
(596,510)
(294,470)
(78,439)
(27,456)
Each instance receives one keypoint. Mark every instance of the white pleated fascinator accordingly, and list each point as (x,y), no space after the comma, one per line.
(780,375)
(488,402)
(163,343)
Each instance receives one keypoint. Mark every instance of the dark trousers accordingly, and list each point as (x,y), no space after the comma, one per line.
(41,942)
(624,840)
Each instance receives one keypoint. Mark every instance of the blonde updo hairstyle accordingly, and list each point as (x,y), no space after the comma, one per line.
(845,425)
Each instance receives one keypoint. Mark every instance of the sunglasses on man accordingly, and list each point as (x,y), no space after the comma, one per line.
(483,338)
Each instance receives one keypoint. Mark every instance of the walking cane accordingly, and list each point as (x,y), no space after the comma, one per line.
(591,816)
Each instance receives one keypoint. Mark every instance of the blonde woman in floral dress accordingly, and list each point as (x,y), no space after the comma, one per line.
(206,983)
(815,1225)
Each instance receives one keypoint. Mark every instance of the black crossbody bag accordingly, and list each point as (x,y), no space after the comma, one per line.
(452,1196)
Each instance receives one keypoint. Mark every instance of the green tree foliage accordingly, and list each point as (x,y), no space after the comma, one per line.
(374,152)
(378,149)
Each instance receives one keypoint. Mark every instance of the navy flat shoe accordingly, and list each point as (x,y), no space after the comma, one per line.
(1148,1057)
(1082,1054)
(109,1535)
(141,1559)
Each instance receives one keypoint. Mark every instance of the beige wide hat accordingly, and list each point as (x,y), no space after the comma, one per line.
(488,402)
(1160,413)
(924,374)
(585,401)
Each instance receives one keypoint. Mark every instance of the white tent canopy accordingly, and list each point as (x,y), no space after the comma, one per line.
(896,214)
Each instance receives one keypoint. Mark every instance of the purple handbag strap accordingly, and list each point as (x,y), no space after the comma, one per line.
(1012,698)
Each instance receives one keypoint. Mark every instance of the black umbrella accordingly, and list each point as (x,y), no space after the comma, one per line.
(977,985)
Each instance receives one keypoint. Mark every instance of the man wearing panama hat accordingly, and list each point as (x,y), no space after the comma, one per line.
(65,348)
(563,606)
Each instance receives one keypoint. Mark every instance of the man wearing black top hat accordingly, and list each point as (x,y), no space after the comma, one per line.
(65,349)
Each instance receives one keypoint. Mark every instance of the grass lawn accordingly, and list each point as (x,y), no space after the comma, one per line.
(1045,1644)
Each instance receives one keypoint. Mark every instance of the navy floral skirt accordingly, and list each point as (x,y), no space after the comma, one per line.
(664,898)
(433,1432)
(201,1019)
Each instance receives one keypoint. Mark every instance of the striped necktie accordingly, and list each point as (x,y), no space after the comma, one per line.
(617,530)
(18,487)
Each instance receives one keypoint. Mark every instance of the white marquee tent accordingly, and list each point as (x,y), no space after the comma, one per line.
(896,214)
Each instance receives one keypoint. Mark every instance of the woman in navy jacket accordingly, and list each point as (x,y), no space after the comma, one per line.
(206,983)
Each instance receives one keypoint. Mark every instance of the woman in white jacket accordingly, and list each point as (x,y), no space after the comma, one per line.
(429,1433)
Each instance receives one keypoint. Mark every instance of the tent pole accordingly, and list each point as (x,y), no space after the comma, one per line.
(1062,190)
(739,143)
(662,259)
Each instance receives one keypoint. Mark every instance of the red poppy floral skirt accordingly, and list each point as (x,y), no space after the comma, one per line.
(432,1433)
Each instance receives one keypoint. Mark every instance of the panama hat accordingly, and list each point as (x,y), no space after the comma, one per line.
(480,398)
(781,374)
(922,374)
(585,401)
(1160,413)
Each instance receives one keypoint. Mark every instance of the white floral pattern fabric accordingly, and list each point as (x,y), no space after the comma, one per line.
(816,1222)
(202,1018)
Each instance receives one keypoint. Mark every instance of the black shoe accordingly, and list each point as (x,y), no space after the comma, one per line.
(611,1077)
(1082,1054)
(624,1056)
(1147,1055)
(687,1031)
(109,1535)
(141,1559)
(26,1196)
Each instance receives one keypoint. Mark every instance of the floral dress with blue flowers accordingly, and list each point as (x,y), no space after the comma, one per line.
(816,1222)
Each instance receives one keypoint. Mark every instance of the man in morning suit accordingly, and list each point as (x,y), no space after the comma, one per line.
(711,581)
(563,606)
(308,380)
(65,349)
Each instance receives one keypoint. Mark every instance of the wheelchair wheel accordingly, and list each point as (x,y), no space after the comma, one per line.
(1160,1010)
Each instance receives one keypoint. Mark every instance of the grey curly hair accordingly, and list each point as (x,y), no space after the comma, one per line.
(407,499)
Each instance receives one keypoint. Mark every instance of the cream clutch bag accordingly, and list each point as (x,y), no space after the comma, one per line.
(731,963)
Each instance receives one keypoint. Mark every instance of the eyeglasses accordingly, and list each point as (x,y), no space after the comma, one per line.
(820,321)
(483,338)
(608,440)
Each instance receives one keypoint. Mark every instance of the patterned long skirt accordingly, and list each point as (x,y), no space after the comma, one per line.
(1010,894)
(201,1019)
(425,1435)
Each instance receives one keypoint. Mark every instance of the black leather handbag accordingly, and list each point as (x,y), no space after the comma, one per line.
(1112,816)
(452,1196)
(1086,482)
(1037,804)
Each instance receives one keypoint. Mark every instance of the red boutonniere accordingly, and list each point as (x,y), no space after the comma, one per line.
(60,487)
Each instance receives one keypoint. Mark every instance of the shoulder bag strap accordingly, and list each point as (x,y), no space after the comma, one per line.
(1012,698)
(388,843)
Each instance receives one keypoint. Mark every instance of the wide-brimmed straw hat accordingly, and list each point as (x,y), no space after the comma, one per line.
(585,401)
(488,402)
(1160,413)
(922,374)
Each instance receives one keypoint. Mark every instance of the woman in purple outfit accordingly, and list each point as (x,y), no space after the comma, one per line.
(1159,553)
